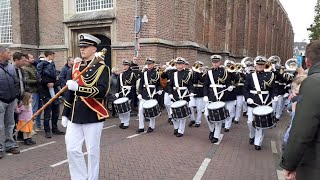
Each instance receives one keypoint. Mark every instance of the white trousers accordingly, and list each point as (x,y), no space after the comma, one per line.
(192,104)
(278,106)
(75,136)
(231,106)
(200,105)
(125,118)
(239,105)
(245,106)
(167,104)
(256,133)
(152,122)
(213,126)
(179,124)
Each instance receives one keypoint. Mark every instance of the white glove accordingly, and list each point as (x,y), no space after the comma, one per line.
(129,88)
(116,95)
(205,99)
(72,85)
(286,95)
(191,95)
(275,99)
(64,121)
(139,97)
(159,92)
(250,101)
(230,88)
(170,96)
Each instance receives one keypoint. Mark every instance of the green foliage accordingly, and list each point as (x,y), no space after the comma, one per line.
(315,27)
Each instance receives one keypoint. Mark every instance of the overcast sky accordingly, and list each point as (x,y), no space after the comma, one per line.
(301,14)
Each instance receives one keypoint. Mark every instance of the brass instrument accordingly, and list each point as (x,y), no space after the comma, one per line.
(230,66)
(197,66)
(239,67)
(268,67)
(291,65)
(275,60)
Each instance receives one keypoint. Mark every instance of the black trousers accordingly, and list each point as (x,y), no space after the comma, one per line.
(51,112)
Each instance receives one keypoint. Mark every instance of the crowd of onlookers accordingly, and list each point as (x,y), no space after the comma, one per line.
(26,84)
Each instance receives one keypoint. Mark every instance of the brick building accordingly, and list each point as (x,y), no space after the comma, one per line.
(194,29)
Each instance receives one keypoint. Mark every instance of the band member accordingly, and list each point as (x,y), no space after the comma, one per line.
(230,96)
(167,73)
(259,90)
(179,87)
(197,79)
(149,89)
(84,112)
(240,95)
(126,83)
(216,82)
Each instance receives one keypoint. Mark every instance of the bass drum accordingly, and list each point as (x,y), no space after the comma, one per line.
(180,109)
(263,117)
(151,108)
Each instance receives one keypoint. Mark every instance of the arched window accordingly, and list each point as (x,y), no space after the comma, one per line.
(92,5)
(5,22)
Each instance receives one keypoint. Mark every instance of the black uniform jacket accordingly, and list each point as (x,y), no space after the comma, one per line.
(239,90)
(166,75)
(153,80)
(97,86)
(184,80)
(221,78)
(128,79)
(198,81)
(267,83)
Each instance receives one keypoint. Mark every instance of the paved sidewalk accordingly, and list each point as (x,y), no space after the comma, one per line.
(157,155)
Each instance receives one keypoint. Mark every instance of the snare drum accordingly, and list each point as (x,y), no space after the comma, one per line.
(122,105)
(263,117)
(217,111)
(180,109)
(151,108)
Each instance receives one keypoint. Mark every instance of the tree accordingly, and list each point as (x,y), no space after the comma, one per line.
(315,27)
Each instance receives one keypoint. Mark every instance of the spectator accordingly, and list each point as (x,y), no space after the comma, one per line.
(20,60)
(24,111)
(32,85)
(8,94)
(113,87)
(301,156)
(47,73)
(64,71)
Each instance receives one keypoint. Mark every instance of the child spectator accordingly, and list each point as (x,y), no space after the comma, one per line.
(24,111)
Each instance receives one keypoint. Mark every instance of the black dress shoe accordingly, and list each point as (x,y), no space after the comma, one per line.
(277,119)
(149,130)
(48,135)
(175,132)
(31,141)
(120,125)
(251,141)
(140,130)
(258,148)
(214,140)
(197,125)
(211,135)
(124,127)
(58,132)
(236,122)
(244,114)
(223,124)
(191,123)
(169,120)
(179,135)
(226,130)
(146,120)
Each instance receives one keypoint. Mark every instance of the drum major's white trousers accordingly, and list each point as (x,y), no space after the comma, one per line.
(278,106)
(213,126)
(167,104)
(256,133)
(179,124)
(75,136)
(152,122)
(200,104)
(231,106)
(125,118)
(239,105)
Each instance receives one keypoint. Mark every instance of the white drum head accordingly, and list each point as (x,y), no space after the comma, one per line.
(216,105)
(149,104)
(179,103)
(262,110)
(121,100)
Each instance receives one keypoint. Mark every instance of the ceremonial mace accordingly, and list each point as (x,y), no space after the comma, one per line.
(98,56)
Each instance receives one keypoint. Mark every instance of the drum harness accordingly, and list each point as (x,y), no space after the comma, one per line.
(146,84)
(177,88)
(123,88)
(258,90)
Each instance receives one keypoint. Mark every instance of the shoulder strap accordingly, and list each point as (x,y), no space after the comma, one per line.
(258,88)
(214,88)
